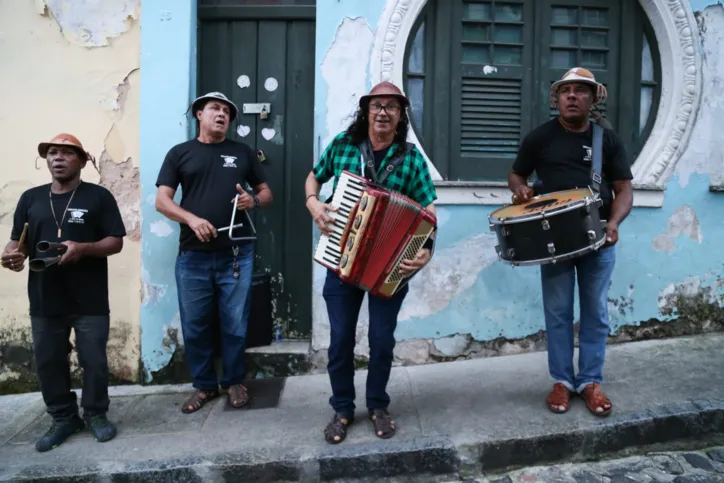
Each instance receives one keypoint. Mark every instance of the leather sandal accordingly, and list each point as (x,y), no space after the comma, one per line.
(559,396)
(238,396)
(595,398)
(337,428)
(198,399)
(383,423)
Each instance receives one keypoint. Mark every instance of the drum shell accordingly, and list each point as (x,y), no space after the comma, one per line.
(568,231)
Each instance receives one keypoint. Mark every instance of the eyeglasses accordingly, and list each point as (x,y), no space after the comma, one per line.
(376,107)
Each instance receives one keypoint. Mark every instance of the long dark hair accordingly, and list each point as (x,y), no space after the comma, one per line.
(359,128)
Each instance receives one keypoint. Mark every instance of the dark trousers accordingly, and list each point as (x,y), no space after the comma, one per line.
(52,347)
(211,285)
(343,305)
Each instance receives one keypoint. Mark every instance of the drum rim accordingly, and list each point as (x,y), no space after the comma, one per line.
(562,258)
(593,198)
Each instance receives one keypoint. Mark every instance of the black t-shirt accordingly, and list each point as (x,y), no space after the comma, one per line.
(82,287)
(208,175)
(562,160)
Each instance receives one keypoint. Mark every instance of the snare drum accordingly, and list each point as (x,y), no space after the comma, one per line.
(549,228)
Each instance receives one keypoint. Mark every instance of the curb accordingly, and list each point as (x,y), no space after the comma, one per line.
(421,459)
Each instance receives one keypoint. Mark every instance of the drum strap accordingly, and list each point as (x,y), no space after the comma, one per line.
(369,158)
(597,163)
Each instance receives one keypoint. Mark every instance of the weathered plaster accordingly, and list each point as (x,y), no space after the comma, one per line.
(56,85)
(91,23)
(706,150)
(168,51)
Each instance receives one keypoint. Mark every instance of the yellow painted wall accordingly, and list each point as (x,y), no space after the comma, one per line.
(71,66)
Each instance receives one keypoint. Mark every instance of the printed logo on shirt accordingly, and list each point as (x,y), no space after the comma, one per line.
(589,154)
(76,215)
(229,161)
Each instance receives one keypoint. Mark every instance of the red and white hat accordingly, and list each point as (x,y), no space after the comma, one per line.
(579,74)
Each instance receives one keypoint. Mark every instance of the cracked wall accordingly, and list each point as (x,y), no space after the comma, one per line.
(468,304)
(71,67)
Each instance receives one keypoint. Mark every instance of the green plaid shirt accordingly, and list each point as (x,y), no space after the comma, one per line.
(411,177)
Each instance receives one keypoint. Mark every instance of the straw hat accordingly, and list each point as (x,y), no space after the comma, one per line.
(219,97)
(579,74)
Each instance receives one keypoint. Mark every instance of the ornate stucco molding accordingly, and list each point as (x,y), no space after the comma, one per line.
(677,38)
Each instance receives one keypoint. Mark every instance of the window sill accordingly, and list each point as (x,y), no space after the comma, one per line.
(497,193)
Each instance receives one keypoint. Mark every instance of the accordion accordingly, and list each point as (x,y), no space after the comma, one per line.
(374,229)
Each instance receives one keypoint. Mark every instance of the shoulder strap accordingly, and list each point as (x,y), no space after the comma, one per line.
(396,161)
(368,159)
(597,163)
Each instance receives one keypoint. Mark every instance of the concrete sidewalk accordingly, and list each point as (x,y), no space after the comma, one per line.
(460,418)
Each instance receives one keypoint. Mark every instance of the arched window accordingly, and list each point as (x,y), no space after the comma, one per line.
(478,75)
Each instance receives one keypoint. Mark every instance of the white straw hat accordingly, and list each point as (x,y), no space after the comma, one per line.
(579,74)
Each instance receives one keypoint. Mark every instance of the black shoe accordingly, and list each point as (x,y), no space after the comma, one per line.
(102,429)
(58,433)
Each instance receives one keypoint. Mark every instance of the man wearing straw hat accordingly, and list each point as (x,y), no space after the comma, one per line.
(213,272)
(80,225)
(560,152)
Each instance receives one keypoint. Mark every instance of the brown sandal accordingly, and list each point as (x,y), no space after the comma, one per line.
(595,399)
(384,425)
(198,399)
(337,427)
(238,396)
(559,396)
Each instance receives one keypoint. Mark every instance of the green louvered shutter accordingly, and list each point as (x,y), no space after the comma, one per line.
(491,86)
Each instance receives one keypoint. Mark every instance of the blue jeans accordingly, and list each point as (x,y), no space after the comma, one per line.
(207,287)
(343,305)
(594,272)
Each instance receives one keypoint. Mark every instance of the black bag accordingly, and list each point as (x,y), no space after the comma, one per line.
(260,329)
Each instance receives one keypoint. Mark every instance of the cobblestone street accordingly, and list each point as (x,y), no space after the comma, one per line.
(678,467)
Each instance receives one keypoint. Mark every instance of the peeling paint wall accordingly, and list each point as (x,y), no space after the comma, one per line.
(168,52)
(668,275)
(71,66)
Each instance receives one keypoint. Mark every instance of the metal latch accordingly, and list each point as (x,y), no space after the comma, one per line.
(261,108)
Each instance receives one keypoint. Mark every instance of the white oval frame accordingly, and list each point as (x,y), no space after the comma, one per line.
(677,36)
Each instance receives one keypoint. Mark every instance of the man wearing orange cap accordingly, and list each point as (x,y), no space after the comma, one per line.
(83,224)
(560,152)
(213,272)
(379,130)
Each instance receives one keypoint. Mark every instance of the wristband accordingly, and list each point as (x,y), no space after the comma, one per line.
(309,196)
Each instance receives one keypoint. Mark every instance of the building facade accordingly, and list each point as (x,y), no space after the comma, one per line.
(477,73)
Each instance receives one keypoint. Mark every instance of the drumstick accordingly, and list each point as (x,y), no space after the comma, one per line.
(22,236)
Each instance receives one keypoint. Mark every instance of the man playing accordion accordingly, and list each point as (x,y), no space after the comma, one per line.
(378,136)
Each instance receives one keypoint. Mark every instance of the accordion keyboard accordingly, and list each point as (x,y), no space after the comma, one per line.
(349,190)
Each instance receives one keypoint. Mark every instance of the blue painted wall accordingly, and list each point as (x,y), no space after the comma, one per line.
(168,51)
(505,301)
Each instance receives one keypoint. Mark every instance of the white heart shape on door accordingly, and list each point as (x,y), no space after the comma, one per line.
(268,133)
(243,131)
